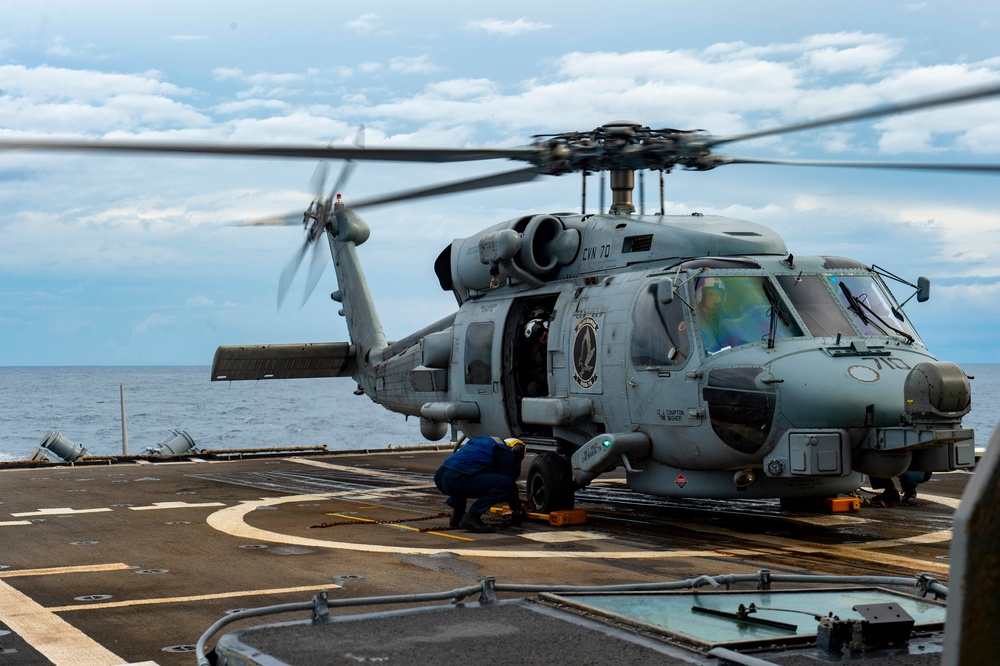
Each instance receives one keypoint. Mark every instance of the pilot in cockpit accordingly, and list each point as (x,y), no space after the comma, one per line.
(711,313)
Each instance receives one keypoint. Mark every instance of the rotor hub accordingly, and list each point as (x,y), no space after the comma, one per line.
(623,145)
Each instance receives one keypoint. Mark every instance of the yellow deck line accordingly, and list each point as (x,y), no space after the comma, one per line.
(402,527)
(381,474)
(198,597)
(49,571)
(156,506)
(61,511)
(55,638)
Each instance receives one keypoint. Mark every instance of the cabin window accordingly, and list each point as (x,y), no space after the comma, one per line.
(660,336)
(736,310)
(479,353)
(811,299)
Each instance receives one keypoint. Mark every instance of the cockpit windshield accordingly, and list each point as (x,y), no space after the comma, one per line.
(816,306)
(736,310)
(870,307)
(864,306)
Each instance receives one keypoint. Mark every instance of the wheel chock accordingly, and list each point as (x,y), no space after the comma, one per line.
(555,518)
(565,517)
(841,504)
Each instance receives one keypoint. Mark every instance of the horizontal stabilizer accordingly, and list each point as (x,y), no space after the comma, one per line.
(296,361)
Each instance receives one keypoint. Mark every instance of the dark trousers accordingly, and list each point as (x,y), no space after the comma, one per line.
(909,481)
(488,488)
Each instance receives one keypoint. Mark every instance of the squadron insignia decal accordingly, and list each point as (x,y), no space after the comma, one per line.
(585,352)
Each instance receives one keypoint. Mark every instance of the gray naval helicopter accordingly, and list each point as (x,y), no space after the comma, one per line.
(696,352)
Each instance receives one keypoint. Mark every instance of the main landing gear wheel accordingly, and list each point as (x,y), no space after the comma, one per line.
(550,484)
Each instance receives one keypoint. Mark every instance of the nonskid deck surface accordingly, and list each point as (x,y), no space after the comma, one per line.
(132,563)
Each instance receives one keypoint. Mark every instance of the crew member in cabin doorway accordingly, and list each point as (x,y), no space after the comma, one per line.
(486,469)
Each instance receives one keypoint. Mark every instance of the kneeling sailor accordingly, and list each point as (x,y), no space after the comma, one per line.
(485,468)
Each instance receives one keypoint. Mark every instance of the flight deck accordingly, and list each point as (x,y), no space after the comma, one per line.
(132,563)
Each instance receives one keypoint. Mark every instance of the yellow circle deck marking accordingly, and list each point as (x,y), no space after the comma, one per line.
(231,520)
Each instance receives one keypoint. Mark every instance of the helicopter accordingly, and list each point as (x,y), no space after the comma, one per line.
(695,352)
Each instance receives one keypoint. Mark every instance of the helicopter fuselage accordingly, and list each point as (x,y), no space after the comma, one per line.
(694,351)
(800,393)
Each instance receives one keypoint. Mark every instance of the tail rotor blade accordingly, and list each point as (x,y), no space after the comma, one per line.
(348,168)
(317,264)
(345,173)
(289,271)
(318,181)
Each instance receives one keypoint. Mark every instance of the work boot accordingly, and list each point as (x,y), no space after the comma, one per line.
(474,523)
(456,518)
(887,496)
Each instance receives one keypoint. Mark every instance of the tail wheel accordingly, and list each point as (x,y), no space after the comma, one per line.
(550,484)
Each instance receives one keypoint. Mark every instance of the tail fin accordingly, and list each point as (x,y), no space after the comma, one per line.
(347,230)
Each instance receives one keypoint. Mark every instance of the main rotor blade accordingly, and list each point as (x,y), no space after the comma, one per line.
(953,97)
(981,168)
(484,182)
(260,150)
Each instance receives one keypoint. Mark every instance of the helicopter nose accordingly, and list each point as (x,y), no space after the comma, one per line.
(819,391)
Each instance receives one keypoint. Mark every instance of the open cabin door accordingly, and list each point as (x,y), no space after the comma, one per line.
(526,361)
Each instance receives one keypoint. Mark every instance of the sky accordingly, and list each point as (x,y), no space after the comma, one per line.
(113,260)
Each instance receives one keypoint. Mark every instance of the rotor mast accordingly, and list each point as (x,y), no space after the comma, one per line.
(622,184)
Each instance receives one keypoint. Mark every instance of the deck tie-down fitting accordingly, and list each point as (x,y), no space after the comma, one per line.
(320,608)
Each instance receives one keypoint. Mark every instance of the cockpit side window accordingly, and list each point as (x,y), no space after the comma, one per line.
(736,310)
(660,336)
(811,299)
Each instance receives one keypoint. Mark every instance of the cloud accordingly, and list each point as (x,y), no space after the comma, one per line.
(412,65)
(162,218)
(188,38)
(506,28)
(853,59)
(248,105)
(199,301)
(153,322)
(223,73)
(59,48)
(45,83)
(366,24)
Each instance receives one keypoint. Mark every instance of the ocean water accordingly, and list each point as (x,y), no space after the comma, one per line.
(83,404)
